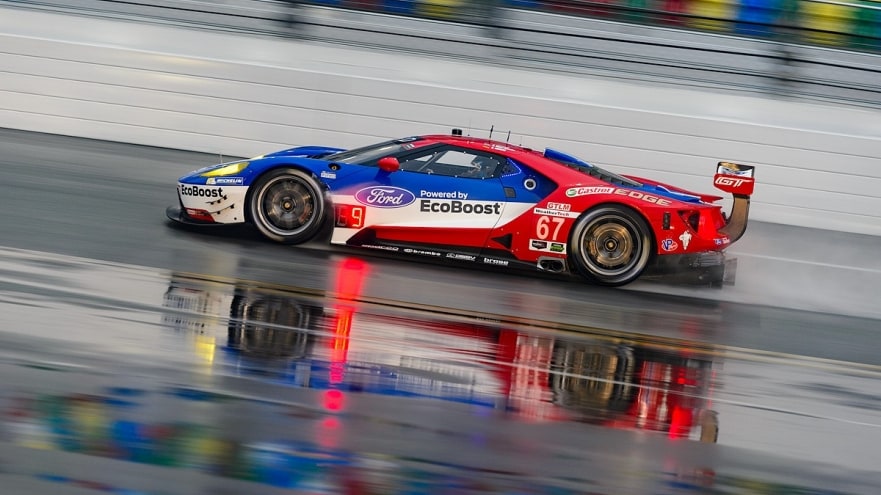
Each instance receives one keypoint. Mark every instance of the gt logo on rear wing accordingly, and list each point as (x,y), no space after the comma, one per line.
(735,178)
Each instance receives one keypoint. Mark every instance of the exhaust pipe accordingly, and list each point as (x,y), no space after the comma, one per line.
(554,265)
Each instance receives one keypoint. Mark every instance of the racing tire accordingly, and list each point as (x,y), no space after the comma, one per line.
(287,206)
(610,245)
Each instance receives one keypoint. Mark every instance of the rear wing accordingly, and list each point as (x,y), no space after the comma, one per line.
(735,178)
(738,180)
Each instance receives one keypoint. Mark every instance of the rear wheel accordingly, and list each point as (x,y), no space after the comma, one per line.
(610,245)
(287,206)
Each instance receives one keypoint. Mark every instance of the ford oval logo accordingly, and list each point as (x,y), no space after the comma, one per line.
(385,196)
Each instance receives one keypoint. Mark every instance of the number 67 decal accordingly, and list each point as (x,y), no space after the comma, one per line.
(544,225)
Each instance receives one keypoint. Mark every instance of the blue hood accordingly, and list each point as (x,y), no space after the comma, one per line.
(310,151)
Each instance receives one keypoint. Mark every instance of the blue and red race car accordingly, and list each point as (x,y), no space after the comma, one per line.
(474,200)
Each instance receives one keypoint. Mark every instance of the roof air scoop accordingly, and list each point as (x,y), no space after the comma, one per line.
(564,157)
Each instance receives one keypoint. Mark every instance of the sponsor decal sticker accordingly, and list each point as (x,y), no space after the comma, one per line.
(201,192)
(380,247)
(456,206)
(493,261)
(328,175)
(685,238)
(649,198)
(546,247)
(423,252)
(384,197)
(225,181)
(497,147)
(443,194)
(459,256)
(555,213)
(559,206)
(669,245)
(574,192)
(720,241)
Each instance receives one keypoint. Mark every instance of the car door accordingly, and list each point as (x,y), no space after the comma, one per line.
(444,197)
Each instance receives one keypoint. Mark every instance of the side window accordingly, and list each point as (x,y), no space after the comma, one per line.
(454,163)
(419,163)
(510,168)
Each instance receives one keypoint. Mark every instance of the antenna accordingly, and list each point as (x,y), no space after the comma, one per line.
(491,131)
(509,136)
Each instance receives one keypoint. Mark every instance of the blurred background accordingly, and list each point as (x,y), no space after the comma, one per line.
(843,24)
(138,358)
(809,48)
(851,25)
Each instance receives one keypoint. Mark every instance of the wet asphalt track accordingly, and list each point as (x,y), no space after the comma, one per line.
(106,201)
(788,382)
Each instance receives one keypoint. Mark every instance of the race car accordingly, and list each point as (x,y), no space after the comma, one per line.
(466,199)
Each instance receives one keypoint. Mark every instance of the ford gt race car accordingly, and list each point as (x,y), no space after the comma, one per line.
(473,200)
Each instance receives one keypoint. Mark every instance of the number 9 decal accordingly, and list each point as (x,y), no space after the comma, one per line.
(544,226)
(357,217)
(350,216)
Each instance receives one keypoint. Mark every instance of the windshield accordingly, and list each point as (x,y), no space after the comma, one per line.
(367,154)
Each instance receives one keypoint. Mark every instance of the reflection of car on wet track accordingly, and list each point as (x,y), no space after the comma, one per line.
(471,200)
(303,342)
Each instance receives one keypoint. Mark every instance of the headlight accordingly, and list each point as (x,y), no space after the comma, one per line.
(230,169)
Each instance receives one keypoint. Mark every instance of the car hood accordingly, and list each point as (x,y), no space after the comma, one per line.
(305,151)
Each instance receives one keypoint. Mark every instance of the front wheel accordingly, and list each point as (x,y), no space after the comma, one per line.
(287,206)
(610,245)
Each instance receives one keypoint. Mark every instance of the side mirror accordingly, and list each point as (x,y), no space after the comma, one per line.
(389,164)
